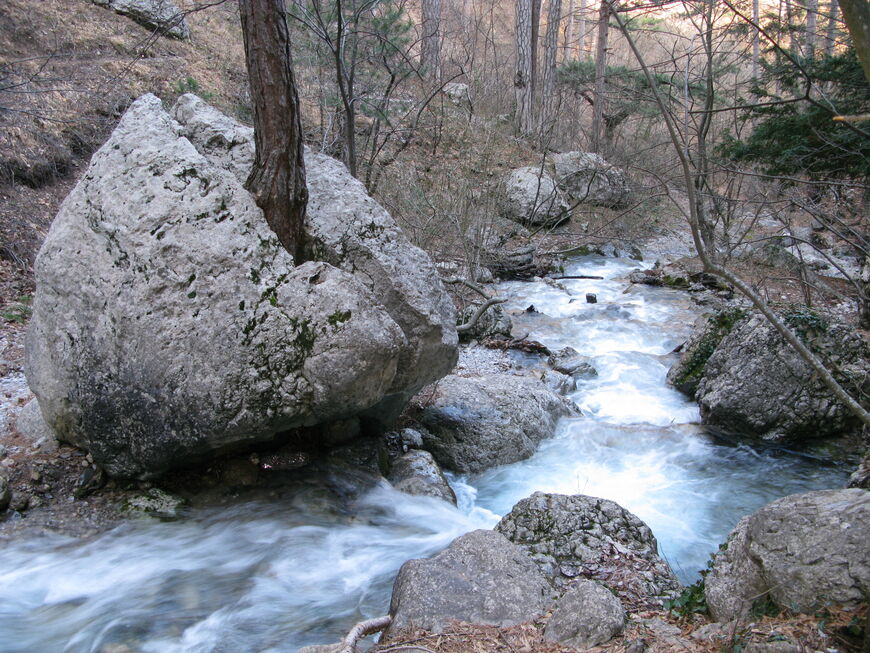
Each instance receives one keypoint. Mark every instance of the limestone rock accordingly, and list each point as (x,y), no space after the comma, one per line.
(861,476)
(582,536)
(416,472)
(32,426)
(351,231)
(530,197)
(169,323)
(474,423)
(585,616)
(569,361)
(588,178)
(161,15)
(755,384)
(799,552)
(494,322)
(480,578)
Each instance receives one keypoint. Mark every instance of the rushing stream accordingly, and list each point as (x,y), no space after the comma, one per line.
(300,569)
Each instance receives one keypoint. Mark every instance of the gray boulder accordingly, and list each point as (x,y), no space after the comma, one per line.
(416,472)
(588,178)
(161,15)
(530,197)
(569,361)
(799,553)
(480,578)
(351,231)
(32,426)
(585,616)
(474,423)
(169,323)
(861,476)
(581,536)
(755,384)
(494,322)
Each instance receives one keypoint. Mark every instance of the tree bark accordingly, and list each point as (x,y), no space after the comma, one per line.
(756,41)
(430,51)
(600,75)
(812,21)
(569,32)
(523,81)
(581,41)
(277,179)
(831,31)
(548,85)
(856,13)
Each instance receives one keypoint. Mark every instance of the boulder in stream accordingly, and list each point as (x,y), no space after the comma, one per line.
(170,324)
(416,472)
(474,423)
(579,536)
(480,578)
(750,382)
(798,553)
(587,615)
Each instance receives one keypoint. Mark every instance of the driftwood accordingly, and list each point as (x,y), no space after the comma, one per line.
(577,276)
(363,629)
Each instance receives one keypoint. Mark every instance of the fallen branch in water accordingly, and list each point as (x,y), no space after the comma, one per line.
(363,629)
(577,276)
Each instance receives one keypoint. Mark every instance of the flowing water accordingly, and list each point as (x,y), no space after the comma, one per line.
(301,568)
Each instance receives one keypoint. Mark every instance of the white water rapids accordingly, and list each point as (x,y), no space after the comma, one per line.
(269,577)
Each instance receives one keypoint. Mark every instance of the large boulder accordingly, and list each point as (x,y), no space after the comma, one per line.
(597,539)
(799,553)
(530,197)
(161,15)
(480,578)
(588,178)
(169,323)
(474,423)
(755,384)
(351,231)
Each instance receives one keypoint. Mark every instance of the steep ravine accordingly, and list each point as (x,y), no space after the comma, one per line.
(300,567)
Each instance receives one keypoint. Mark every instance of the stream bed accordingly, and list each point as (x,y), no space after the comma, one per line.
(271,576)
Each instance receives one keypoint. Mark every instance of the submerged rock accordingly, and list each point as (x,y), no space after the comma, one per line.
(798,553)
(161,15)
(474,423)
(480,578)
(587,537)
(569,361)
(170,324)
(530,197)
(588,178)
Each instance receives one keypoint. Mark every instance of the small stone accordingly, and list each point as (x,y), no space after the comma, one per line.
(5,493)
(591,298)
(19,502)
(587,615)
(156,503)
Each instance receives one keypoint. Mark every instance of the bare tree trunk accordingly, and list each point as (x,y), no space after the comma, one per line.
(523,79)
(536,28)
(277,179)
(856,13)
(430,54)
(600,75)
(548,86)
(581,44)
(831,31)
(756,41)
(812,16)
(569,32)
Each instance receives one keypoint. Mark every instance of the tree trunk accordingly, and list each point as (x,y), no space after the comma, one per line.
(581,41)
(856,13)
(756,41)
(536,27)
(600,75)
(831,31)
(548,85)
(277,179)
(523,81)
(430,52)
(569,33)
(812,16)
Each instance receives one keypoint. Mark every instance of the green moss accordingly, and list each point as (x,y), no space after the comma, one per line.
(191,294)
(719,326)
(339,317)
(675,282)
(805,321)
